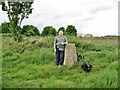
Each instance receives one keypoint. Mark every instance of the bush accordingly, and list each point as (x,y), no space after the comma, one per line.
(7,53)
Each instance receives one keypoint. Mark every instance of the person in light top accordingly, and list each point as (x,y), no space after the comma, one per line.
(59,48)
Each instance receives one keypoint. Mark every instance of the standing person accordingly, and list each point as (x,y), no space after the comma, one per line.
(59,47)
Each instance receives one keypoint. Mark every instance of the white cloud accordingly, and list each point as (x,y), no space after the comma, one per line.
(98,17)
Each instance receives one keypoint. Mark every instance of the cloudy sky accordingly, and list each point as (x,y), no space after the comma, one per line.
(98,17)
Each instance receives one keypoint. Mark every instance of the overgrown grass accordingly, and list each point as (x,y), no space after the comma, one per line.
(0,61)
(31,64)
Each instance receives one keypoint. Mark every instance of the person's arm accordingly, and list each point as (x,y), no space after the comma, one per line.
(55,45)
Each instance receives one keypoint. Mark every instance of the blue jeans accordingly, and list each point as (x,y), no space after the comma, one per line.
(59,57)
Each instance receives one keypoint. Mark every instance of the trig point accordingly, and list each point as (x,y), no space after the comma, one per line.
(70,55)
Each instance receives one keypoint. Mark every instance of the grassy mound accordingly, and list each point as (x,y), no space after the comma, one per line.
(31,63)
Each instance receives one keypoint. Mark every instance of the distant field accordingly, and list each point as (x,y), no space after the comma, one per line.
(31,63)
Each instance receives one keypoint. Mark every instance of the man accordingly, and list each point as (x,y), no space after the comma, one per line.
(59,47)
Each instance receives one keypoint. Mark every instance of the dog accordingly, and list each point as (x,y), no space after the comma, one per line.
(80,57)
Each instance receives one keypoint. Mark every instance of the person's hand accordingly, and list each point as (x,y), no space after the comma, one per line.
(54,50)
(57,43)
(62,43)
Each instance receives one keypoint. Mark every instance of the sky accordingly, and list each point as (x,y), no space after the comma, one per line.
(97,17)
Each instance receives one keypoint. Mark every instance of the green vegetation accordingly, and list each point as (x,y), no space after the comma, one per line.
(31,63)
(30,30)
(17,12)
(62,29)
(71,30)
(49,30)
(5,28)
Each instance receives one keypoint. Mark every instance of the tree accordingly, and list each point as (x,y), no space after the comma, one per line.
(30,30)
(5,28)
(61,28)
(71,30)
(49,30)
(17,11)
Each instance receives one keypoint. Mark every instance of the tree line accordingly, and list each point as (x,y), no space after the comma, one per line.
(50,30)
(30,30)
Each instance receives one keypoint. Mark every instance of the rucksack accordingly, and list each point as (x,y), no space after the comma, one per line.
(86,66)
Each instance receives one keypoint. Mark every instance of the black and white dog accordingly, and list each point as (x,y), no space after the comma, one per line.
(80,57)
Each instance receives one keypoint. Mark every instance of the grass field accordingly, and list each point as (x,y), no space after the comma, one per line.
(31,63)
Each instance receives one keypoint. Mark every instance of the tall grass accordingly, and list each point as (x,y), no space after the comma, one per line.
(0,60)
(31,64)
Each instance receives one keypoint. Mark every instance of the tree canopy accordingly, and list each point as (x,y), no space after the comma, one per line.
(49,30)
(30,30)
(61,29)
(17,11)
(71,30)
